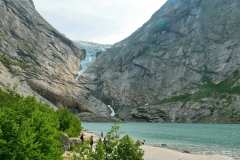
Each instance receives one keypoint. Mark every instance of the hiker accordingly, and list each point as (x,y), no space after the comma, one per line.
(144,141)
(82,138)
(101,134)
(91,142)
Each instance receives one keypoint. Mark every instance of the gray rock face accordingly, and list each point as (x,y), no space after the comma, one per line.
(35,59)
(182,65)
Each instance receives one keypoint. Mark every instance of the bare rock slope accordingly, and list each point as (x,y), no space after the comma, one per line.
(35,59)
(180,66)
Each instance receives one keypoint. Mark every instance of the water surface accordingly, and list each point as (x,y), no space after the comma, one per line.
(221,139)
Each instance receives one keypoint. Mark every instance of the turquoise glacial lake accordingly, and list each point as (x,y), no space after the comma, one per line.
(221,139)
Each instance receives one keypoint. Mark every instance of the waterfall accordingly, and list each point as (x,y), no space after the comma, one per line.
(112,111)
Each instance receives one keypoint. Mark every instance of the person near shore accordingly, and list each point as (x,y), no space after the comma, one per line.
(91,142)
(101,134)
(82,138)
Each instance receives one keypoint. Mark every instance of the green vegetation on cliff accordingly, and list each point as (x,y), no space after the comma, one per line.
(68,122)
(8,61)
(228,86)
(219,95)
(31,130)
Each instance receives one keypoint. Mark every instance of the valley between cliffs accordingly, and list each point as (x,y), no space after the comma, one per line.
(180,66)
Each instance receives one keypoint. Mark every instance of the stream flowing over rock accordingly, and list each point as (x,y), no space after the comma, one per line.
(37,60)
(180,66)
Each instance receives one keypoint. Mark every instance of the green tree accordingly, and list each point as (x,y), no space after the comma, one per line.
(127,149)
(100,153)
(111,140)
(69,123)
(29,130)
(83,152)
(111,148)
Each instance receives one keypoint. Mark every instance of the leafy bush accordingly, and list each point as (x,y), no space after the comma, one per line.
(111,148)
(69,123)
(30,130)
(83,152)
(127,149)
(100,152)
(111,139)
(121,148)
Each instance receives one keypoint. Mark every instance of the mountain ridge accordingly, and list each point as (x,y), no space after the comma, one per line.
(176,67)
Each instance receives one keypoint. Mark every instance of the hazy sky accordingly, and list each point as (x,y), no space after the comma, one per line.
(102,21)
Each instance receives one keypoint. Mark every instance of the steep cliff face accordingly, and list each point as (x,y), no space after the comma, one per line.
(182,65)
(35,59)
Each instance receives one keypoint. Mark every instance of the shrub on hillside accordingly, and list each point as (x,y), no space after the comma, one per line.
(111,148)
(69,123)
(127,149)
(30,130)
(123,148)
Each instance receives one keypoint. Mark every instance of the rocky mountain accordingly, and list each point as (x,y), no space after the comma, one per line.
(35,59)
(180,66)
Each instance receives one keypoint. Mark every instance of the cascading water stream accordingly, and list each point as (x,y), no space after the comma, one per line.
(112,111)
